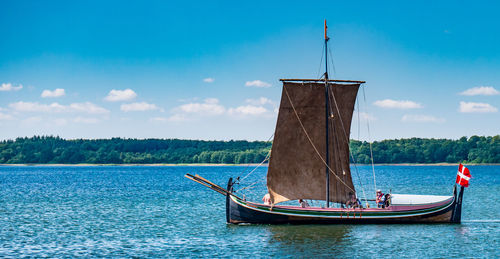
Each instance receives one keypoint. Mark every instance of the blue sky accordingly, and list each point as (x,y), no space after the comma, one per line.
(210,69)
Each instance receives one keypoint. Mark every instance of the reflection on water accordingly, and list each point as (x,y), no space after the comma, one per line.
(297,239)
(461,231)
(412,240)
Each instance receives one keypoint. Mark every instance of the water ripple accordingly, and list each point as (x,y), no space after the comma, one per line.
(155,212)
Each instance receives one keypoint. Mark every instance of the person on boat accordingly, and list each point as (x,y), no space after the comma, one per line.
(380,200)
(353,202)
(387,200)
(303,203)
(267,199)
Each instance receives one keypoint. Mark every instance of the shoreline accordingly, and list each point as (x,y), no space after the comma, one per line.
(209,165)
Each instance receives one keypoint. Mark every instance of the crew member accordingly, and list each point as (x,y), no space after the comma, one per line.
(353,202)
(303,203)
(380,199)
(267,199)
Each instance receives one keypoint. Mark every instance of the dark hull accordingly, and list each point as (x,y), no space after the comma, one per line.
(240,211)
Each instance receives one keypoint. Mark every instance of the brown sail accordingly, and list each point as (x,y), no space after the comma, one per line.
(297,164)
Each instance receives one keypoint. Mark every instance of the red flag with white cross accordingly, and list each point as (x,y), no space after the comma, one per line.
(463,176)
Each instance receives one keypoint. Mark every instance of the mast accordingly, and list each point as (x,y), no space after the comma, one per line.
(326,121)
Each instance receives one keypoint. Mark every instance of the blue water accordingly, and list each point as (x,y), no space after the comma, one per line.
(156,212)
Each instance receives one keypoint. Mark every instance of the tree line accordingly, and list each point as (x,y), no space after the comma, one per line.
(475,149)
(55,150)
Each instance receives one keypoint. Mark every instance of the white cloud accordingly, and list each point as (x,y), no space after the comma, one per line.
(421,118)
(173,118)
(395,104)
(138,107)
(56,93)
(210,106)
(177,118)
(259,101)
(37,107)
(86,107)
(120,95)
(158,119)
(86,120)
(248,110)
(4,116)
(257,83)
(480,90)
(470,107)
(209,80)
(10,87)
(366,116)
(186,100)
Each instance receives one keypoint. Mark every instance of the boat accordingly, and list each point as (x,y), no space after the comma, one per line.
(310,160)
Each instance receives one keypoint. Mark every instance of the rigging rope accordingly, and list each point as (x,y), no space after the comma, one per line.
(252,185)
(263,161)
(359,128)
(321,61)
(331,61)
(336,162)
(370,142)
(266,158)
(312,144)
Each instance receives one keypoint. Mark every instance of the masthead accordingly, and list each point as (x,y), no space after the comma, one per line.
(326,29)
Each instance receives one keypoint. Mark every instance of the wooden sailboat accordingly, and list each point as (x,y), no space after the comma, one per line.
(310,160)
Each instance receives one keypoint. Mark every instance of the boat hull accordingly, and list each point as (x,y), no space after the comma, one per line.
(240,211)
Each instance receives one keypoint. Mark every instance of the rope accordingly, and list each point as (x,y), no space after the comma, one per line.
(359,128)
(248,165)
(370,142)
(251,185)
(347,141)
(331,61)
(321,61)
(312,144)
(263,161)
(335,158)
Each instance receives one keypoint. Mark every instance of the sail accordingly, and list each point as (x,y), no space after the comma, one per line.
(297,167)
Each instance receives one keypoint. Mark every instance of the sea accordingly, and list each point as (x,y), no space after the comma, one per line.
(154,211)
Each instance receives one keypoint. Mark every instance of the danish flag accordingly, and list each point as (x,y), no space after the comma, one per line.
(463,176)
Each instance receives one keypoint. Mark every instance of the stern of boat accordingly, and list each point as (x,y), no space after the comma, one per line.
(456,216)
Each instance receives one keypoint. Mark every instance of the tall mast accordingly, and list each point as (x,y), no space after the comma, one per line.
(326,121)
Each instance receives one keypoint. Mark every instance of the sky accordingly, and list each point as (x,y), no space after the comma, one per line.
(210,69)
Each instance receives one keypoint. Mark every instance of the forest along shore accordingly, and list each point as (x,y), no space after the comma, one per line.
(117,151)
